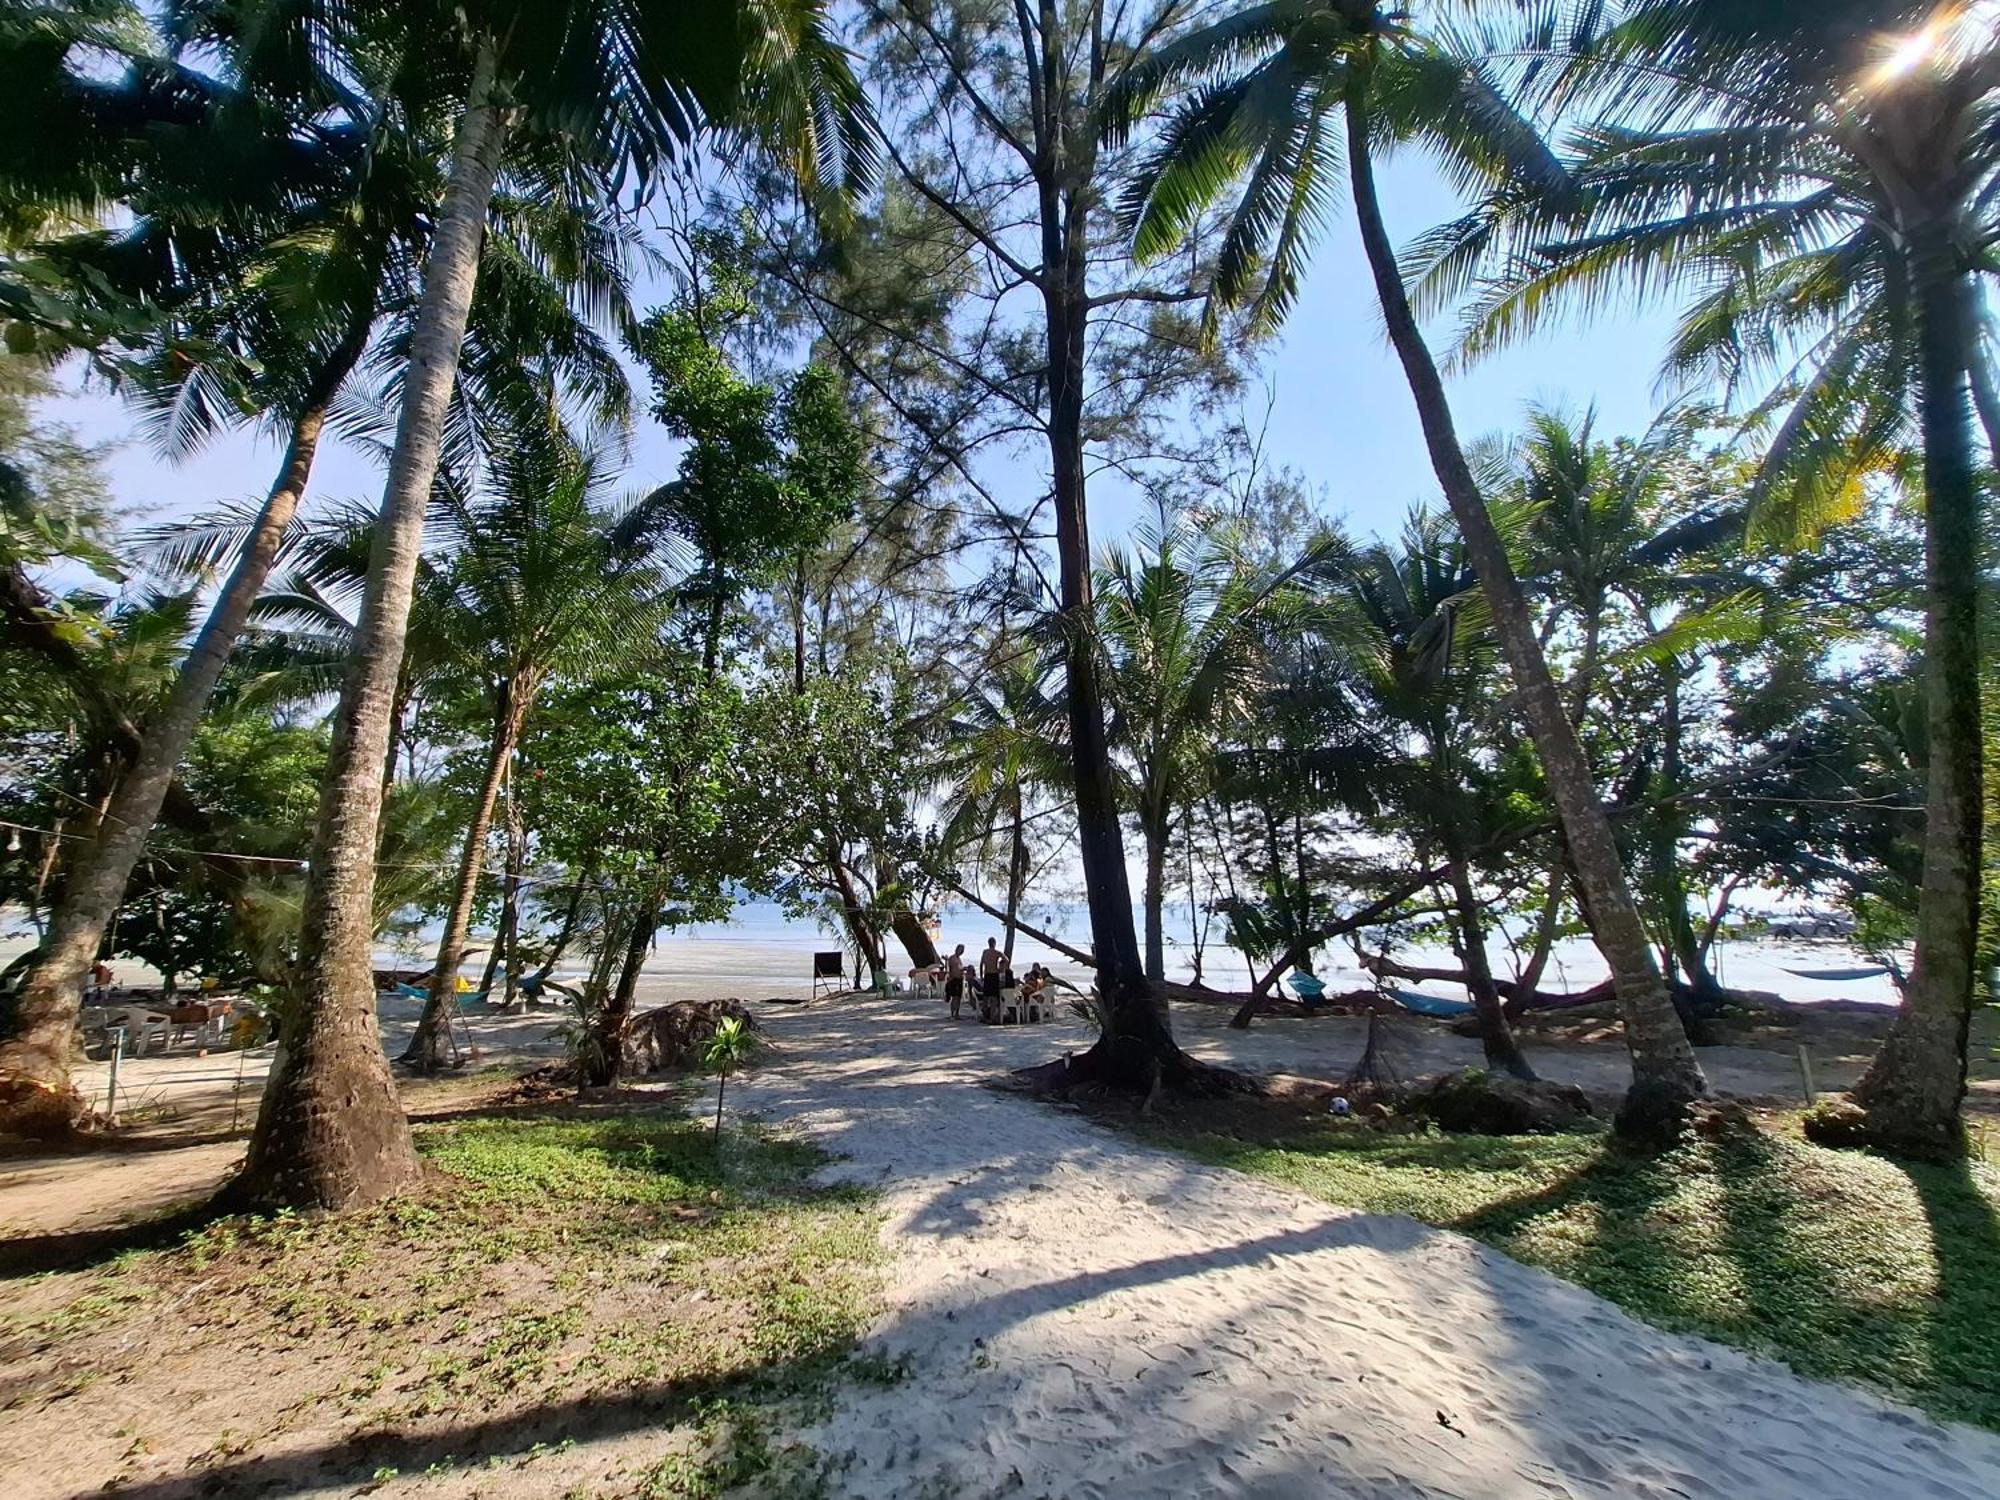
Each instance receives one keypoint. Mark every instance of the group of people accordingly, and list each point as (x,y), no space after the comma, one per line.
(995,973)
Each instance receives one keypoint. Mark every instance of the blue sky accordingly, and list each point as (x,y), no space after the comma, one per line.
(1341,415)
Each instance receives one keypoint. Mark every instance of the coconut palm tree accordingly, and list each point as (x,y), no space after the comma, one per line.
(220,258)
(280,298)
(1820,182)
(1423,659)
(1275,96)
(1182,624)
(617,91)
(1002,744)
(536,584)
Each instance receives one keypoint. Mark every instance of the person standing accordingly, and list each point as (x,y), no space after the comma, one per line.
(991,962)
(954,979)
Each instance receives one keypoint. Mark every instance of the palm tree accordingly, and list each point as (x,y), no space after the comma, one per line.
(1002,744)
(1182,625)
(230,282)
(1423,658)
(290,277)
(1285,90)
(535,585)
(1820,181)
(617,90)
(1642,531)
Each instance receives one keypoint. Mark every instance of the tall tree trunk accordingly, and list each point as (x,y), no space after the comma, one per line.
(711,641)
(399,705)
(1496,1037)
(1665,1075)
(426,1049)
(331,1132)
(1155,899)
(508,949)
(1138,1047)
(35,1090)
(1915,1086)
(799,628)
(866,938)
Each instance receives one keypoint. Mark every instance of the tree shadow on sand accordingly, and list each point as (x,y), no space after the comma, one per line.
(1821,1259)
(515,1437)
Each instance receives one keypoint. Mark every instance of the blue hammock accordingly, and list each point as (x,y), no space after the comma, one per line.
(1864,971)
(1418,1003)
(470,999)
(1306,987)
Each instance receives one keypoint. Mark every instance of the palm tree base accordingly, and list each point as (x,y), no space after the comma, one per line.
(38,1108)
(37,1098)
(1890,1126)
(1655,1115)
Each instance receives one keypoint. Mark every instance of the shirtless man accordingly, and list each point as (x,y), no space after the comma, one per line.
(954,978)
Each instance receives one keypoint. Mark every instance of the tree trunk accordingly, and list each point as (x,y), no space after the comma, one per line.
(1496,1037)
(711,643)
(1017,876)
(914,937)
(604,1062)
(508,948)
(1914,1088)
(1155,899)
(35,1091)
(426,1049)
(1665,1076)
(866,939)
(1530,977)
(799,628)
(1138,1048)
(331,1132)
(1047,939)
(577,891)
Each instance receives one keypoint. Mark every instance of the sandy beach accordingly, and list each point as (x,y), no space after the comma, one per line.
(222,1087)
(1082,1317)
(1076,1315)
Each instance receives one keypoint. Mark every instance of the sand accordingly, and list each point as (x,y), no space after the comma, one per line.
(1082,1317)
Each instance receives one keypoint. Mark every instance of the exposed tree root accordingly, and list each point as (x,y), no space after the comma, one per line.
(38,1109)
(1129,1065)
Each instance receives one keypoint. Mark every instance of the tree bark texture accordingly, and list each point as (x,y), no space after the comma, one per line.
(1914,1088)
(914,937)
(331,1133)
(1155,901)
(1496,1036)
(604,1060)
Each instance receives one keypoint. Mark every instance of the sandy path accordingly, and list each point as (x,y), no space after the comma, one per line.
(1083,1317)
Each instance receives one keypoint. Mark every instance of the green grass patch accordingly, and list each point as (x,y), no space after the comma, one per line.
(1844,1265)
(606,1268)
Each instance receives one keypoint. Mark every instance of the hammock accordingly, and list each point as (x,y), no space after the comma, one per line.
(422,992)
(1865,971)
(1418,1003)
